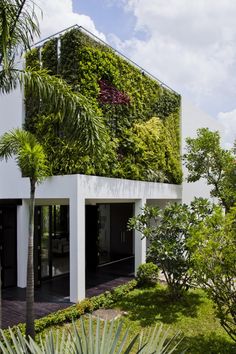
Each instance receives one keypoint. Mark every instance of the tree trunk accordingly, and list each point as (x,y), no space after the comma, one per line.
(30,267)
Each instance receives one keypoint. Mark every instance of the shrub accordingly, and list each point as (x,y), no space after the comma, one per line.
(75,311)
(147,274)
(214,259)
(168,231)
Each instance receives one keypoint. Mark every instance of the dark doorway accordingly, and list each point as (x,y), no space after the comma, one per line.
(8,249)
(51,242)
(121,245)
(115,241)
(109,244)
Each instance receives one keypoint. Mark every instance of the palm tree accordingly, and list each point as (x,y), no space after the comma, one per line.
(32,161)
(18,27)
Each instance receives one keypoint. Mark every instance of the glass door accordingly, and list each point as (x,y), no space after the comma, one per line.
(51,241)
(60,240)
(45,242)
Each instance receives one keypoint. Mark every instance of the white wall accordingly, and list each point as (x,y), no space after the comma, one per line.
(77,190)
(192,119)
(11,110)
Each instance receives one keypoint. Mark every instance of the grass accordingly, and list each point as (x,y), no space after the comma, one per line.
(193,315)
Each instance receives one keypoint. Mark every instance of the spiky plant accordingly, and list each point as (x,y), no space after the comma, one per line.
(101,337)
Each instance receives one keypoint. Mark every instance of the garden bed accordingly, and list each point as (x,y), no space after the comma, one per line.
(142,308)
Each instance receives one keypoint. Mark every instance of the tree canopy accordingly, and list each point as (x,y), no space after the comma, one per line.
(205,158)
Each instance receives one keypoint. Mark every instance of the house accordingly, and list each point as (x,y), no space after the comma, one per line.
(82,211)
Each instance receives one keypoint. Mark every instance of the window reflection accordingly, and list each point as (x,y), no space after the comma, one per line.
(54,240)
(60,240)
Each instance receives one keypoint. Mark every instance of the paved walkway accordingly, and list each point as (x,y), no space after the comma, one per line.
(13,312)
(53,295)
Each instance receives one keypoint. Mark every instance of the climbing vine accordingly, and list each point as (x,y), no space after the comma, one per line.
(142,117)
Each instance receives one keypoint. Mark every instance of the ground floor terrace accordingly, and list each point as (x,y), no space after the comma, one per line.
(53,294)
(82,243)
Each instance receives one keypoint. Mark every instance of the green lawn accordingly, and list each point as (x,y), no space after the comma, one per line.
(193,315)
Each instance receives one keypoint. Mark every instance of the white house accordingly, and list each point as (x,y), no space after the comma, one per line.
(66,206)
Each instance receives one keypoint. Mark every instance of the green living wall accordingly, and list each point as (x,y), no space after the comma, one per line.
(142,118)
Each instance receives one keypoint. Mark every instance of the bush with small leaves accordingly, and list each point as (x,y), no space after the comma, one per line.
(213,247)
(147,274)
(167,231)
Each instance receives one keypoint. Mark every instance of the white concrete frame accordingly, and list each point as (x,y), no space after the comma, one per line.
(77,191)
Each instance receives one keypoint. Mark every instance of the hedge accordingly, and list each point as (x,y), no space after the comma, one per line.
(74,312)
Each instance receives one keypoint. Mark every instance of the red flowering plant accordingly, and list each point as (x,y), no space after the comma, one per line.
(109,94)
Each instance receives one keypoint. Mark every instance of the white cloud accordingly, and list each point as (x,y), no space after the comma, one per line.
(228,122)
(190,45)
(58,15)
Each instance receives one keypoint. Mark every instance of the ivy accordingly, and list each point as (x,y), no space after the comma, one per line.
(49,56)
(139,148)
(139,145)
(32,105)
(167,104)
(32,58)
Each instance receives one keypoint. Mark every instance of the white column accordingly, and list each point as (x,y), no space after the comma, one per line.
(140,244)
(77,248)
(22,242)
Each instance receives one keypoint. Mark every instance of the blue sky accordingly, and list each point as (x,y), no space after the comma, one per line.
(109,18)
(189,45)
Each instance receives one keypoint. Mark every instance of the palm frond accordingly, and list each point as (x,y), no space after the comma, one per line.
(18,27)
(77,115)
(28,153)
(9,144)
(8,79)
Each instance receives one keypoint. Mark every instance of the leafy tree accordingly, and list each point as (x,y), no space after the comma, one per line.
(213,247)
(32,161)
(167,231)
(205,158)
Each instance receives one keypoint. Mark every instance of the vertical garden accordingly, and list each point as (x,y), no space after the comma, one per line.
(141,117)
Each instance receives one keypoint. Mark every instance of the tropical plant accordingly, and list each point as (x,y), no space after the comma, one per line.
(205,158)
(18,27)
(168,230)
(108,337)
(32,161)
(213,245)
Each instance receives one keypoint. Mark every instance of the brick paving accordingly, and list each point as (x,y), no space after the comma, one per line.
(13,311)
(53,295)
